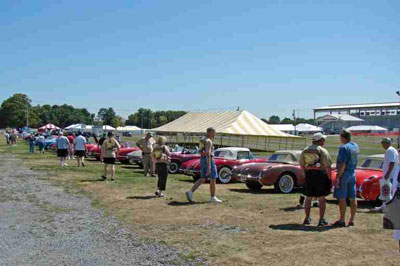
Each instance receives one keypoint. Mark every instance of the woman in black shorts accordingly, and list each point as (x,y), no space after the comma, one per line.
(109,151)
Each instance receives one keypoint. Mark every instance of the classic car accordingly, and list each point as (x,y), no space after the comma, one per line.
(282,170)
(122,154)
(368,177)
(225,159)
(179,155)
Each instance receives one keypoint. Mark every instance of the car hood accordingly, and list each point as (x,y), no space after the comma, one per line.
(256,168)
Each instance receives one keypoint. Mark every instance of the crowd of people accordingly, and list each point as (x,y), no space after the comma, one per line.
(315,161)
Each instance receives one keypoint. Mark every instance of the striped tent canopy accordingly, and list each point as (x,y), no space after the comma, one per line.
(48,126)
(231,123)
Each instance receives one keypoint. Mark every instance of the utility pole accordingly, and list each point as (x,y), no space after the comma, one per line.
(294,120)
(27,113)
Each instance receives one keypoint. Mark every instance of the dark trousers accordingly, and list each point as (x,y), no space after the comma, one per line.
(31,147)
(162,171)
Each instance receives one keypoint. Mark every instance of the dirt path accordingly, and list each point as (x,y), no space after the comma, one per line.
(41,224)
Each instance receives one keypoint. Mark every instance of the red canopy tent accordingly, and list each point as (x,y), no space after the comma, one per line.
(47,127)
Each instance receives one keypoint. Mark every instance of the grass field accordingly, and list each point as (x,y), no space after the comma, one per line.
(247,229)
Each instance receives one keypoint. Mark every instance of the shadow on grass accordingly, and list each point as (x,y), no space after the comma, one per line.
(92,180)
(184,203)
(292,209)
(300,227)
(248,191)
(361,204)
(142,197)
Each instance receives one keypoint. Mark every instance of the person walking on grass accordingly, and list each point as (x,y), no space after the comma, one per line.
(63,148)
(162,155)
(316,163)
(146,145)
(109,151)
(345,185)
(390,165)
(7,135)
(41,141)
(80,149)
(32,142)
(208,167)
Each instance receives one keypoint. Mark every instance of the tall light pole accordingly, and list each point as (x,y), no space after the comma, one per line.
(398,136)
(27,112)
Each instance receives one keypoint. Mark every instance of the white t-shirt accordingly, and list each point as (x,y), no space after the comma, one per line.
(80,142)
(62,143)
(391,156)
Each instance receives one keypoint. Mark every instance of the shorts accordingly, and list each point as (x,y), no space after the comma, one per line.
(347,188)
(317,184)
(203,165)
(109,160)
(62,152)
(80,153)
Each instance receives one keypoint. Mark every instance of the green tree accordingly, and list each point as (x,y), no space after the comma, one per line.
(107,115)
(274,119)
(13,111)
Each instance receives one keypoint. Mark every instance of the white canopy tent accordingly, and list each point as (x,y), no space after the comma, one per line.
(307,129)
(287,128)
(129,129)
(79,127)
(368,129)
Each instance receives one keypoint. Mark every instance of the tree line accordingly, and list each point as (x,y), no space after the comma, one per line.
(16,110)
(274,119)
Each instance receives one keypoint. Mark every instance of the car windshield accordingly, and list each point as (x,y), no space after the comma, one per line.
(281,157)
(373,163)
(241,155)
(223,154)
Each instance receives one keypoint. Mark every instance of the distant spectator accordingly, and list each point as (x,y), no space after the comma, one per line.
(109,151)
(80,149)
(118,138)
(13,138)
(316,163)
(7,135)
(146,145)
(71,138)
(162,155)
(32,142)
(41,140)
(345,187)
(63,148)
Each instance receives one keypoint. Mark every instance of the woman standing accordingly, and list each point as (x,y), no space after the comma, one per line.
(162,155)
(109,150)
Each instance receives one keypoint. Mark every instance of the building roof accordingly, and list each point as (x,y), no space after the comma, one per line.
(232,123)
(367,128)
(341,117)
(357,106)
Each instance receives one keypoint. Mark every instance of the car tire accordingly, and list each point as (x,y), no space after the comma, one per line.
(254,186)
(132,162)
(225,175)
(173,167)
(285,184)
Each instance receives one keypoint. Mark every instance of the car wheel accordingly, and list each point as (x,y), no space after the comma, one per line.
(254,186)
(173,167)
(285,184)
(131,161)
(225,175)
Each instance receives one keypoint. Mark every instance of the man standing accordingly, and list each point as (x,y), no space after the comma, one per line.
(316,163)
(80,149)
(63,148)
(41,140)
(208,167)
(146,145)
(390,165)
(32,142)
(7,138)
(345,186)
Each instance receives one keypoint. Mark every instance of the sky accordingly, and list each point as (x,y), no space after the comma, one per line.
(268,57)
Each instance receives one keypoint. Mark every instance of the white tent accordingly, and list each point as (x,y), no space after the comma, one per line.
(108,128)
(129,129)
(372,129)
(287,128)
(307,129)
(81,127)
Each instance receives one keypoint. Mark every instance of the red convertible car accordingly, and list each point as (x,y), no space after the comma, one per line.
(225,159)
(283,172)
(122,154)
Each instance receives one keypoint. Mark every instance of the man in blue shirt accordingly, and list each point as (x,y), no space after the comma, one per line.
(345,187)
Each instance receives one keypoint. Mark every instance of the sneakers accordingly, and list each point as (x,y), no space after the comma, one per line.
(215,200)
(307,221)
(322,222)
(380,209)
(189,196)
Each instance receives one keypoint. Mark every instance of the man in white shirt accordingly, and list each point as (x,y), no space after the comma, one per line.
(80,149)
(390,165)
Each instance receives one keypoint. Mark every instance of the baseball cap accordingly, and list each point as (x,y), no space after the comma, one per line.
(387,140)
(318,137)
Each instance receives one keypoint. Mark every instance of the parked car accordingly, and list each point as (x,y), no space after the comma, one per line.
(122,154)
(368,177)
(225,159)
(282,170)
(135,157)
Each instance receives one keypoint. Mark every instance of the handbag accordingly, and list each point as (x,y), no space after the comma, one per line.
(391,219)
